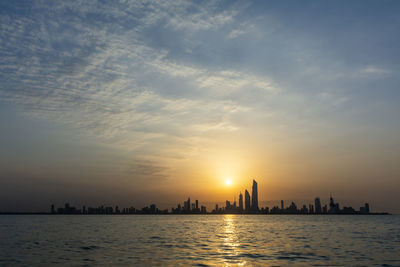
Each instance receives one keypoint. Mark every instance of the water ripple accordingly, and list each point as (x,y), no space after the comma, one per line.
(200,240)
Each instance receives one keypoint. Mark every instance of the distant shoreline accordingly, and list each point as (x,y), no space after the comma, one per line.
(122,214)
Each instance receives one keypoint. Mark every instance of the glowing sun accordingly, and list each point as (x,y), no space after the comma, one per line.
(228,182)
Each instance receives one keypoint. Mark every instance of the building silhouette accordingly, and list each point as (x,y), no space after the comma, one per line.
(333,207)
(240,202)
(203,209)
(325,209)
(247,201)
(318,209)
(254,197)
(186,205)
(153,208)
(292,208)
(364,209)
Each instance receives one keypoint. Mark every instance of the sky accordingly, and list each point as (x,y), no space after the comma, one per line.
(137,102)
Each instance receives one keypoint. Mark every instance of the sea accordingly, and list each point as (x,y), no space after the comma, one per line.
(200,240)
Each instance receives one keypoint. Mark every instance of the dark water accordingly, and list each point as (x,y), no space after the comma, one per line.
(200,240)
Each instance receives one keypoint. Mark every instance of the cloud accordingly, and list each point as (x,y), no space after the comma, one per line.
(242,29)
(140,170)
(202,20)
(373,70)
(104,79)
(94,67)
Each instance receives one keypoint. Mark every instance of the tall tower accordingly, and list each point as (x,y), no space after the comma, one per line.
(240,201)
(254,196)
(186,205)
(366,207)
(331,205)
(247,200)
(318,208)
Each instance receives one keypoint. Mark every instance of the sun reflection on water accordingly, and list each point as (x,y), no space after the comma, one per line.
(231,242)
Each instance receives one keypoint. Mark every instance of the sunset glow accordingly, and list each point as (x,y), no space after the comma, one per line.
(200,133)
(138,101)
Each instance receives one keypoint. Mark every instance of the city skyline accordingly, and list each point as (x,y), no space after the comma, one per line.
(136,101)
(249,202)
(196,207)
(229,208)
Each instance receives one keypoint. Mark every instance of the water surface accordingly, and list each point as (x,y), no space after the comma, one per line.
(200,240)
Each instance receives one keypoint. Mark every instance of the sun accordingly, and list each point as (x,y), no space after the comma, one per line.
(228,182)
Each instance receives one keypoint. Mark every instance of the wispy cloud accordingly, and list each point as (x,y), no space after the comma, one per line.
(373,70)
(92,78)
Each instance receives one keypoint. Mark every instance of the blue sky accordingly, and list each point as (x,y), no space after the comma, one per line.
(132,98)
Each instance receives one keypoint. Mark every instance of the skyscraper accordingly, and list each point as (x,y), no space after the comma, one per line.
(282,206)
(333,207)
(186,205)
(254,196)
(240,201)
(153,208)
(247,200)
(366,207)
(311,209)
(318,209)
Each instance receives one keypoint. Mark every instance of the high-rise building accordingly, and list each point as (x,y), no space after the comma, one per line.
(304,209)
(364,209)
(254,196)
(311,208)
(282,207)
(331,204)
(240,201)
(333,207)
(197,204)
(318,208)
(203,209)
(247,200)
(293,208)
(186,205)
(153,208)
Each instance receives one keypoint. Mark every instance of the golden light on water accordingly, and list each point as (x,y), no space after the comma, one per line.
(231,242)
